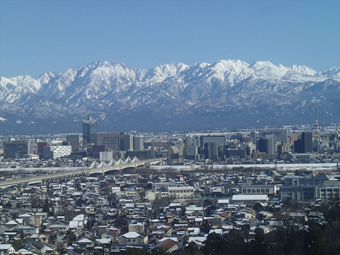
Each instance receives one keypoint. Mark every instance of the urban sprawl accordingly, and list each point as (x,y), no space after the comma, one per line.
(263,191)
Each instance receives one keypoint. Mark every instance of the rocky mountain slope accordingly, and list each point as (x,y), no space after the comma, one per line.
(227,93)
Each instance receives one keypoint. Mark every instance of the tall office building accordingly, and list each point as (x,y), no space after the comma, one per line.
(138,143)
(272,141)
(280,134)
(111,140)
(211,151)
(40,146)
(275,137)
(74,141)
(253,136)
(307,142)
(264,145)
(89,132)
(196,141)
(16,149)
(218,139)
(126,142)
(304,144)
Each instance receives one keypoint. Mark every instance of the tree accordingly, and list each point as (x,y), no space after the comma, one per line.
(192,249)
(46,207)
(135,251)
(236,180)
(35,203)
(17,244)
(206,226)
(90,222)
(314,241)
(159,204)
(213,245)
(157,251)
(332,237)
(70,237)
(258,245)
(234,243)
(8,204)
(258,207)
(259,235)
(285,240)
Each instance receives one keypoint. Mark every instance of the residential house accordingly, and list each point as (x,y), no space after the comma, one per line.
(132,239)
(6,249)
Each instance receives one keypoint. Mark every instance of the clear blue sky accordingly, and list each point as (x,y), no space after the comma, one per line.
(41,36)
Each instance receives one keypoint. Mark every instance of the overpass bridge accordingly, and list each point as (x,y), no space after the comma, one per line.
(100,168)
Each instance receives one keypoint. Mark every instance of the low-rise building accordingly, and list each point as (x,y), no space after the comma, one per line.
(328,191)
(132,239)
(181,192)
(258,189)
(54,152)
(250,199)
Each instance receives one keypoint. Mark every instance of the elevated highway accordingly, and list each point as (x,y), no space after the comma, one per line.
(99,169)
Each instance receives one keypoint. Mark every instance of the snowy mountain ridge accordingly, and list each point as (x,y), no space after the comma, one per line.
(219,91)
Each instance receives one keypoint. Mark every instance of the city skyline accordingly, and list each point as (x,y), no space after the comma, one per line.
(38,36)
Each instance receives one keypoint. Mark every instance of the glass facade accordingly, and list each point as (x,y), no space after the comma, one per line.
(89,131)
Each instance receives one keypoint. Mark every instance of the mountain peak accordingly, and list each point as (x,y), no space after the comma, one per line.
(304,70)
(102,63)
(266,69)
(229,65)
(196,96)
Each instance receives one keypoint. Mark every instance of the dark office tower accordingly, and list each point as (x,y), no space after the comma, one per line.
(304,144)
(298,146)
(307,143)
(16,149)
(126,142)
(89,132)
(211,150)
(264,145)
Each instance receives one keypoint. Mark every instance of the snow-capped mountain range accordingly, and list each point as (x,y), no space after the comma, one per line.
(227,93)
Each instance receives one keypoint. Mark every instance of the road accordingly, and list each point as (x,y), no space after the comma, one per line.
(87,170)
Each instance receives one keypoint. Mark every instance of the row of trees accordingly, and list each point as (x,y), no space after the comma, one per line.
(315,241)
(312,239)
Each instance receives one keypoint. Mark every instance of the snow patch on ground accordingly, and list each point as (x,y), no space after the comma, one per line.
(282,167)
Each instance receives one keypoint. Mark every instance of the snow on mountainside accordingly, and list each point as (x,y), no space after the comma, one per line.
(20,84)
(172,96)
(161,72)
(333,73)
